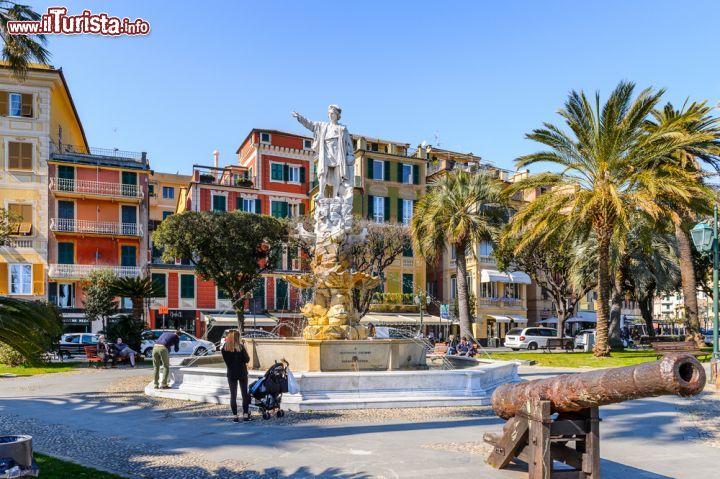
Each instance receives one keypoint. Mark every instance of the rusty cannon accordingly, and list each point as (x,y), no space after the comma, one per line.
(545,416)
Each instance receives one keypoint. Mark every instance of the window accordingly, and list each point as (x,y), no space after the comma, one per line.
(128,255)
(453,252)
(407,174)
(187,286)
(408,283)
(407,211)
(265,138)
(294,174)
(62,294)
(379,209)
(15,104)
(20,156)
(151,190)
(307,144)
(373,147)
(279,209)
(407,249)
(512,291)
(378,168)
(159,279)
(222,294)
(166,214)
(168,192)
(21,223)
(277,172)
(20,279)
(246,204)
(453,287)
(219,203)
(488,290)
(485,248)
(282,299)
(66,253)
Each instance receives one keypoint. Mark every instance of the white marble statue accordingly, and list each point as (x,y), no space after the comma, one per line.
(334,153)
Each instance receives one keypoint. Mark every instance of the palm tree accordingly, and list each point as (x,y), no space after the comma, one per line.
(137,289)
(459,209)
(28,327)
(695,120)
(610,169)
(21,50)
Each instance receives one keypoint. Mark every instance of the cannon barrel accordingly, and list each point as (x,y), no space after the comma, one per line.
(679,374)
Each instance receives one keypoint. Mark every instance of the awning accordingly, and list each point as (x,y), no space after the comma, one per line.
(499,319)
(231,320)
(518,319)
(582,317)
(495,276)
(401,318)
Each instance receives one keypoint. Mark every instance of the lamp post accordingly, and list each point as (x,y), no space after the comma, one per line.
(705,239)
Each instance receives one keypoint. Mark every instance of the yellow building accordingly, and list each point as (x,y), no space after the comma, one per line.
(37,116)
(501,299)
(164,191)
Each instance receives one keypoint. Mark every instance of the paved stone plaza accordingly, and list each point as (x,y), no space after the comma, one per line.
(100,418)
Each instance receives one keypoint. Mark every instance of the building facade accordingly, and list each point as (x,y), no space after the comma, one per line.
(35,115)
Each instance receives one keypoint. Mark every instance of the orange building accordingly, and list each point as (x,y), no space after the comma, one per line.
(98,212)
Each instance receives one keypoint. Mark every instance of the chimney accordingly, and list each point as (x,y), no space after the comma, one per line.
(216,155)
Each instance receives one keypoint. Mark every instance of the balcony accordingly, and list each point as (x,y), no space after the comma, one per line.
(80,271)
(22,243)
(235,176)
(501,302)
(103,228)
(105,156)
(84,188)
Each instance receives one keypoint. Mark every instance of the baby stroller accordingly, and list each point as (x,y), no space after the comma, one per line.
(268,390)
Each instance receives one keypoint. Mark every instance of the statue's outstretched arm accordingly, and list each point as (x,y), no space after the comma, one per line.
(310,125)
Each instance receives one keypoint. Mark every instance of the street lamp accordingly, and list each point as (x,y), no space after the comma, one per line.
(705,238)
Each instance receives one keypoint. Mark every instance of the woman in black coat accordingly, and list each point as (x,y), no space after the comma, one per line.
(236,359)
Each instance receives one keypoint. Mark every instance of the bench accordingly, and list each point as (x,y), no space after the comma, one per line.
(687,347)
(92,356)
(555,343)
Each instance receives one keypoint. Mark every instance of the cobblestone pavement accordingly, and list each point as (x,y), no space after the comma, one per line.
(102,418)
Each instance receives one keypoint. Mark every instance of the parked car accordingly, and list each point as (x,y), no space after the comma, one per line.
(708,338)
(189,344)
(528,338)
(73,344)
(249,333)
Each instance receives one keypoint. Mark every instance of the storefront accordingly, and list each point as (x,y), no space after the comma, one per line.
(75,323)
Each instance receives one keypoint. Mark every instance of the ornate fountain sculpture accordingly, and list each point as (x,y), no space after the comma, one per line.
(331,315)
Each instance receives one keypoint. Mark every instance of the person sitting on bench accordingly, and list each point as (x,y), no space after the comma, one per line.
(124,351)
(105,351)
(463,347)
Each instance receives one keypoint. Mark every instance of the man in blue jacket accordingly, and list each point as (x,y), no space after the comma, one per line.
(161,355)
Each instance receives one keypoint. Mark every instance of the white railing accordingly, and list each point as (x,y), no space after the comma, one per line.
(96,188)
(21,243)
(65,225)
(76,271)
(486,259)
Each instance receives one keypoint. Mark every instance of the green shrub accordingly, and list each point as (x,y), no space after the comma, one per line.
(10,357)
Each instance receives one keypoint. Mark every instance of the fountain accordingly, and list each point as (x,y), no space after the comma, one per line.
(336,365)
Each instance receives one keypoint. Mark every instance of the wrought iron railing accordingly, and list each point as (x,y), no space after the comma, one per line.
(96,188)
(78,271)
(62,148)
(64,225)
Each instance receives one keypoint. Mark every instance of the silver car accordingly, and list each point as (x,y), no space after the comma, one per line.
(528,338)
(189,344)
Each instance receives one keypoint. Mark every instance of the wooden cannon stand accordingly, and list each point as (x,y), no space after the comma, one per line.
(534,437)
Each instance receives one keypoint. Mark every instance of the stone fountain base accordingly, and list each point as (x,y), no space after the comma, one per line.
(355,389)
(337,355)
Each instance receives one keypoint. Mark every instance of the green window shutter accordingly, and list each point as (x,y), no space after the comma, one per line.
(258,206)
(371,206)
(400,210)
(187,286)
(302,174)
(159,280)
(128,256)
(219,203)
(281,294)
(370,168)
(399,172)
(416,174)
(284,209)
(386,171)
(129,178)
(276,172)
(239,203)
(286,172)
(302,209)
(66,172)
(66,253)
(387,208)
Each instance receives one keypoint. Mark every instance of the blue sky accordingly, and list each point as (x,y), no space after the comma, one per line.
(477,75)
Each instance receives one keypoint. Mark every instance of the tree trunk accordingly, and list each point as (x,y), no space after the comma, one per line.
(689,287)
(462,290)
(601,336)
(646,312)
(562,315)
(614,338)
(240,312)
(137,309)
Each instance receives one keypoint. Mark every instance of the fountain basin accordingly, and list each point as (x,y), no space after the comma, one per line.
(355,389)
(337,355)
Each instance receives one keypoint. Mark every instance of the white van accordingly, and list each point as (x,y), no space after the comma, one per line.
(528,338)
